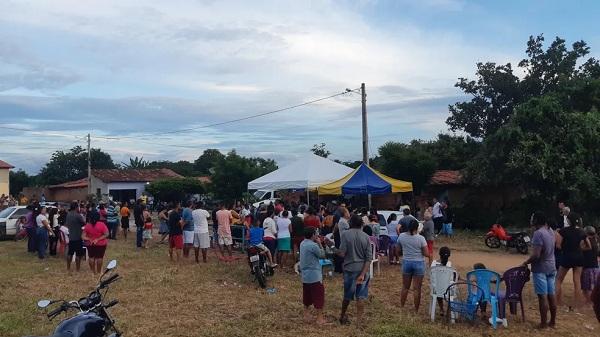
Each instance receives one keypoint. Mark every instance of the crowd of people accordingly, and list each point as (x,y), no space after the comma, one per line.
(290,233)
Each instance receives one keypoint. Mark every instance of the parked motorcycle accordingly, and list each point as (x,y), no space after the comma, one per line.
(259,266)
(92,319)
(498,237)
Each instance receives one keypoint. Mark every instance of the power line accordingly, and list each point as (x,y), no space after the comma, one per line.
(237,119)
(44,133)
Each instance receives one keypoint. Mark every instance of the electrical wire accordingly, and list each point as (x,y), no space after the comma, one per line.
(347,91)
(43,133)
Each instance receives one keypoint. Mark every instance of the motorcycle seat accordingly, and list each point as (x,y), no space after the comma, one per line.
(60,334)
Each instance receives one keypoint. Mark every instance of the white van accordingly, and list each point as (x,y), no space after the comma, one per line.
(265,197)
(8,220)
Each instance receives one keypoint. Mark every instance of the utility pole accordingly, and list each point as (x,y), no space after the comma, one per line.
(365,131)
(89,165)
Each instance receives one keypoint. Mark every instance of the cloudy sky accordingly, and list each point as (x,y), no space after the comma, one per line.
(133,73)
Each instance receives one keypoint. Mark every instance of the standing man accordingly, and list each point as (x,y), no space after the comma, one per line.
(31,229)
(201,236)
(438,215)
(138,217)
(188,228)
(112,220)
(175,232)
(313,292)
(355,248)
(224,230)
(125,219)
(543,268)
(75,223)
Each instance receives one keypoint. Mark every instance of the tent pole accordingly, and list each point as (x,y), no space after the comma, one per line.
(307,196)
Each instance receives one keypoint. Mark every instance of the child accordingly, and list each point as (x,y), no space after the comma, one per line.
(21,229)
(313,292)
(256,239)
(63,239)
(444,256)
(147,231)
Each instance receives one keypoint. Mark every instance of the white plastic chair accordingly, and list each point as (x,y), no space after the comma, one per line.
(374,260)
(441,278)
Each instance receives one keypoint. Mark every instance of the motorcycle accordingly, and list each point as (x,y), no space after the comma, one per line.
(259,266)
(498,237)
(92,318)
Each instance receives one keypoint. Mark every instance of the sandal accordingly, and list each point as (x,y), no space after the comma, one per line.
(344,320)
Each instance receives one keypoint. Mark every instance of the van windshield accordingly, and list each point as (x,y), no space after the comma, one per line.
(6,212)
(260,194)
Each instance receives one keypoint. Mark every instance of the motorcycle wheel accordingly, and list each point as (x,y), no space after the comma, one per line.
(522,246)
(260,277)
(492,242)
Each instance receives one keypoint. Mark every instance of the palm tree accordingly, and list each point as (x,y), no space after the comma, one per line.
(136,163)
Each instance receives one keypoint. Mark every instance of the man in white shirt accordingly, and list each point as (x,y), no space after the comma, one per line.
(438,216)
(201,236)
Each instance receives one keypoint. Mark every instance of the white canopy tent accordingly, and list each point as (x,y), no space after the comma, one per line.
(308,172)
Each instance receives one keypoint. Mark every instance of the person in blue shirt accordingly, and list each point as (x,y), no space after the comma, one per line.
(313,292)
(188,228)
(256,239)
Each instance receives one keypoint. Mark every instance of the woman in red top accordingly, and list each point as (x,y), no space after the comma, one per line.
(312,220)
(95,234)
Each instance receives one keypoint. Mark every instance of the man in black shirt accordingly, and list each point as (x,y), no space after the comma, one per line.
(175,232)
(138,211)
(74,222)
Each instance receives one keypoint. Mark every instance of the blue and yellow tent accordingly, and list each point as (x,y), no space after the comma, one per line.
(365,180)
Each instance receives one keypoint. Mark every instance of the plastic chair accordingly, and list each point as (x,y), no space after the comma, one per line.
(489,281)
(374,260)
(325,263)
(514,280)
(462,303)
(441,278)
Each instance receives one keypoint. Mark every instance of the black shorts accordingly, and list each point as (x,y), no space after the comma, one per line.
(76,248)
(125,222)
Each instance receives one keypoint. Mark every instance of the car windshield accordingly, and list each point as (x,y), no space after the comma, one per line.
(6,212)
(260,194)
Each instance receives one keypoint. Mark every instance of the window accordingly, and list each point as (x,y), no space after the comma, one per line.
(98,192)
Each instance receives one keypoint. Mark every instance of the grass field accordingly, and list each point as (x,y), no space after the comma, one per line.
(218,299)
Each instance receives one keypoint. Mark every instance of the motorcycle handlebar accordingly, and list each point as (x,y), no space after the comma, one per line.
(56,311)
(111,303)
(108,281)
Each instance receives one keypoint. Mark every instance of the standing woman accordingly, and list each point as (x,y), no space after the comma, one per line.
(43,231)
(571,240)
(125,219)
(270,236)
(284,237)
(163,228)
(95,233)
(590,263)
(31,229)
(394,254)
(53,222)
(414,248)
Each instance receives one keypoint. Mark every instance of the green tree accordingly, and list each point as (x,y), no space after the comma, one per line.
(450,152)
(205,164)
(136,163)
(497,90)
(175,189)
(410,162)
(19,180)
(320,150)
(72,165)
(232,175)
(182,167)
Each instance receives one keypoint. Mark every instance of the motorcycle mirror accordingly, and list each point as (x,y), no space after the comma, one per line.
(111,265)
(43,303)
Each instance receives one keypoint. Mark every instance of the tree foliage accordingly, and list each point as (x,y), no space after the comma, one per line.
(175,189)
(19,180)
(72,165)
(232,174)
(136,163)
(206,163)
(182,167)
(320,150)
(497,90)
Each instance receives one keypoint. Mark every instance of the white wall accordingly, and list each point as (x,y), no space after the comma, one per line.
(138,186)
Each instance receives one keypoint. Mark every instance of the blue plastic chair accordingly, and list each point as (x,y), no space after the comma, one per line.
(463,299)
(489,282)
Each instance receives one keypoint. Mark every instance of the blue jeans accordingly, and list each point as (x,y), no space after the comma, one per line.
(544,284)
(355,291)
(42,241)
(414,268)
(31,239)
(139,236)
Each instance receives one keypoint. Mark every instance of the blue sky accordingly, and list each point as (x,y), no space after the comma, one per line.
(132,70)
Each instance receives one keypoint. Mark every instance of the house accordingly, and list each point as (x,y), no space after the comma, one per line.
(121,185)
(4,177)
(125,185)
